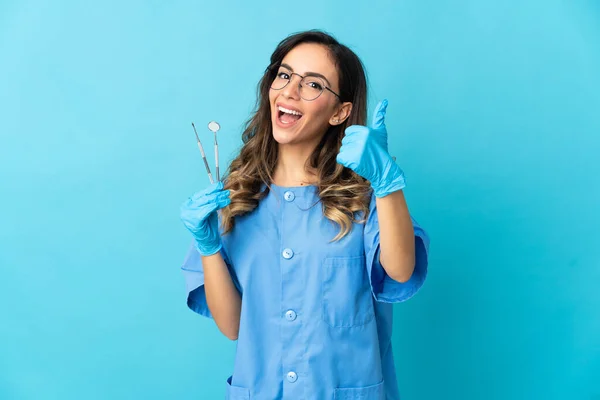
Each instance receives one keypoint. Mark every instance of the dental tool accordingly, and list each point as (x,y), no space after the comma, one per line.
(204,156)
(214,127)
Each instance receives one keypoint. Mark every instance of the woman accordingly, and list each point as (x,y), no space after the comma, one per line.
(313,240)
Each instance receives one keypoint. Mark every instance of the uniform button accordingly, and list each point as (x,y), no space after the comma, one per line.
(287,254)
(290,315)
(292,377)
(289,196)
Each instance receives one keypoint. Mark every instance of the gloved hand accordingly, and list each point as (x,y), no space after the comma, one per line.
(199,215)
(364,150)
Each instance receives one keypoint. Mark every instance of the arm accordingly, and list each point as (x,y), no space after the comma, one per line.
(364,150)
(396,234)
(222,297)
(212,284)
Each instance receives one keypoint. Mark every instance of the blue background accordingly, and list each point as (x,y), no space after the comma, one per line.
(494,115)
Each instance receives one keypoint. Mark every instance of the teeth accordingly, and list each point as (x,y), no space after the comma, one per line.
(285,110)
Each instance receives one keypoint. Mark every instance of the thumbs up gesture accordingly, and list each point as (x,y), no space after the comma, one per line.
(364,150)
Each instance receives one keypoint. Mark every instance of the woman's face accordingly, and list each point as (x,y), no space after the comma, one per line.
(312,118)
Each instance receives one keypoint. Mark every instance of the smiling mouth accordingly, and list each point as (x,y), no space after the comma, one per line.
(286,118)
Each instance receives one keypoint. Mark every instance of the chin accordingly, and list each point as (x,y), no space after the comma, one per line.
(286,136)
(282,137)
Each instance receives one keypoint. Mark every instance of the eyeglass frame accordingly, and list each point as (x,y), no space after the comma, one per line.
(277,66)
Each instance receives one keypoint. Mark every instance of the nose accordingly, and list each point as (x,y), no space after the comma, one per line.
(292,89)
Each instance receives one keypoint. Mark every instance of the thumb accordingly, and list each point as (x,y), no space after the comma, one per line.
(379,115)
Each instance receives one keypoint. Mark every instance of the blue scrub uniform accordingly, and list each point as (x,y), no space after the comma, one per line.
(316,317)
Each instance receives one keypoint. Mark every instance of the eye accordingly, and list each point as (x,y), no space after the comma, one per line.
(283,75)
(315,85)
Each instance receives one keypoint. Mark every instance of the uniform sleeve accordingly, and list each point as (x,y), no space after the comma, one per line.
(194,279)
(384,288)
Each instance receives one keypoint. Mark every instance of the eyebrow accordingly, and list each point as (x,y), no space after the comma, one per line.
(308,73)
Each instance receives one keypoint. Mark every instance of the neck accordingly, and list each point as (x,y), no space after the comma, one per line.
(290,169)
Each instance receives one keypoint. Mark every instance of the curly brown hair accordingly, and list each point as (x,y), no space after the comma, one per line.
(344,195)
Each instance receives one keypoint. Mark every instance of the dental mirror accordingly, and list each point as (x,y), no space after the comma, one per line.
(214,126)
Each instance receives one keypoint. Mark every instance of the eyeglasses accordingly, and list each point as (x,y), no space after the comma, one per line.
(310,86)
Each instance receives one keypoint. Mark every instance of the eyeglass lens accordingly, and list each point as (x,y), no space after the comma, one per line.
(311,87)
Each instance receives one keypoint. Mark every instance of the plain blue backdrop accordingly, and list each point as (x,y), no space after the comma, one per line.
(494,115)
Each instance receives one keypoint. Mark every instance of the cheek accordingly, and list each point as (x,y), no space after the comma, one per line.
(319,109)
(271,96)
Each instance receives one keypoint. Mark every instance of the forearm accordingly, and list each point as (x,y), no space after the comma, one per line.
(223,299)
(396,235)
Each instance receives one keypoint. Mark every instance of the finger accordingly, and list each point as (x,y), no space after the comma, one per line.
(191,217)
(197,196)
(347,140)
(208,192)
(354,129)
(223,198)
(344,161)
(379,115)
(214,187)
(223,203)
(340,159)
(202,212)
(202,199)
(353,132)
(353,142)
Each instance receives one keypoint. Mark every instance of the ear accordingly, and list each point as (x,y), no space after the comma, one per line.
(342,113)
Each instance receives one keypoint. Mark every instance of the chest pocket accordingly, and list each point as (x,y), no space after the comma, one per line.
(347,299)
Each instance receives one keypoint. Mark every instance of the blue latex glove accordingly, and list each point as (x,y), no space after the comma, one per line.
(199,215)
(364,150)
